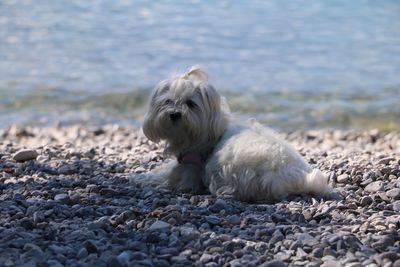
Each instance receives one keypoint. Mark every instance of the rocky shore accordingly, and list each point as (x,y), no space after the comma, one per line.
(69,197)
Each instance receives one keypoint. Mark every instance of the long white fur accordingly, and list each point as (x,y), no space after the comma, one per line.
(243,160)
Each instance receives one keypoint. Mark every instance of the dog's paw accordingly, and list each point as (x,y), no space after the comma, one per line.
(190,186)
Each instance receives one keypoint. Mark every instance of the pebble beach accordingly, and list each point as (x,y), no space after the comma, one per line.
(70,196)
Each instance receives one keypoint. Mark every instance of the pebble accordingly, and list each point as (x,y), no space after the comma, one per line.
(159,225)
(30,246)
(27,224)
(114,262)
(213,220)
(275,239)
(374,187)
(390,255)
(393,193)
(189,233)
(343,178)
(273,263)
(38,217)
(220,204)
(206,258)
(383,243)
(125,257)
(366,201)
(386,160)
(81,203)
(63,198)
(396,206)
(90,247)
(25,155)
(233,219)
(82,253)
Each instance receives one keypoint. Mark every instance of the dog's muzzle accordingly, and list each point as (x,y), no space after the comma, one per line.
(175,116)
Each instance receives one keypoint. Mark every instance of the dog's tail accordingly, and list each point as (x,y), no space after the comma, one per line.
(317,184)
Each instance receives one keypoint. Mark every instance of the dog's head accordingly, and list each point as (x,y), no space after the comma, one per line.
(187,112)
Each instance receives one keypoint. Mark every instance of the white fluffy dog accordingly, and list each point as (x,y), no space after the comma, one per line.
(245,161)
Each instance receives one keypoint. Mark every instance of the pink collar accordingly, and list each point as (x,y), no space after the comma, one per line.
(191,158)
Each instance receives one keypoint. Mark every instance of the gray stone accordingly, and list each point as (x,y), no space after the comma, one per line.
(343,178)
(306,239)
(283,255)
(63,198)
(38,217)
(275,239)
(301,254)
(206,258)
(354,264)
(396,206)
(169,251)
(9,263)
(374,187)
(25,155)
(366,201)
(124,257)
(180,261)
(139,246)
(90,247)
(160,263)
(31,246)
(213,220)
(66,169)
(82,253)
(295,245)
(392,256)
(54,263)
(138,255)
(317,252)
(330,261)
(233,219)
(30,263)
(383,243)
(273,263)
(328,252)
(308,214)
(235,263)
(386,160)
(220,204)
(393,193)
(159,225)
(56,249)
(189,233)
(114,262)
(27,223)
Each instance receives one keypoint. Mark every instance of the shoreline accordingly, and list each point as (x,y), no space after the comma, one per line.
(78,203)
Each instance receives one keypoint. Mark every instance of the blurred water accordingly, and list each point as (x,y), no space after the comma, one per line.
(293,64)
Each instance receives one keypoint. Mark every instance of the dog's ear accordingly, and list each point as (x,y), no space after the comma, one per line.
(215,112)
(161,89)
(149,127)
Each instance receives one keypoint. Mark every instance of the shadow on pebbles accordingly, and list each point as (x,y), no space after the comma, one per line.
(69,197)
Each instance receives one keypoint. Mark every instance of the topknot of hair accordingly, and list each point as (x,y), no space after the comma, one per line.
(196,73)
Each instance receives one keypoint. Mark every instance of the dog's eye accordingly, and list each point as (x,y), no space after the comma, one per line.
(168,102)
(190,104)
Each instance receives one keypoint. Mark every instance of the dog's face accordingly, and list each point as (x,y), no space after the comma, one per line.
(185,112)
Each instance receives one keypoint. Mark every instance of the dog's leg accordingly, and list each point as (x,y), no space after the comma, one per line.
(186,178)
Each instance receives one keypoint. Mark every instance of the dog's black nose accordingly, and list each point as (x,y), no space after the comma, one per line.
(175,116)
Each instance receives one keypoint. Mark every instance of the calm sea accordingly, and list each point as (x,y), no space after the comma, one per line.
(290,64)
